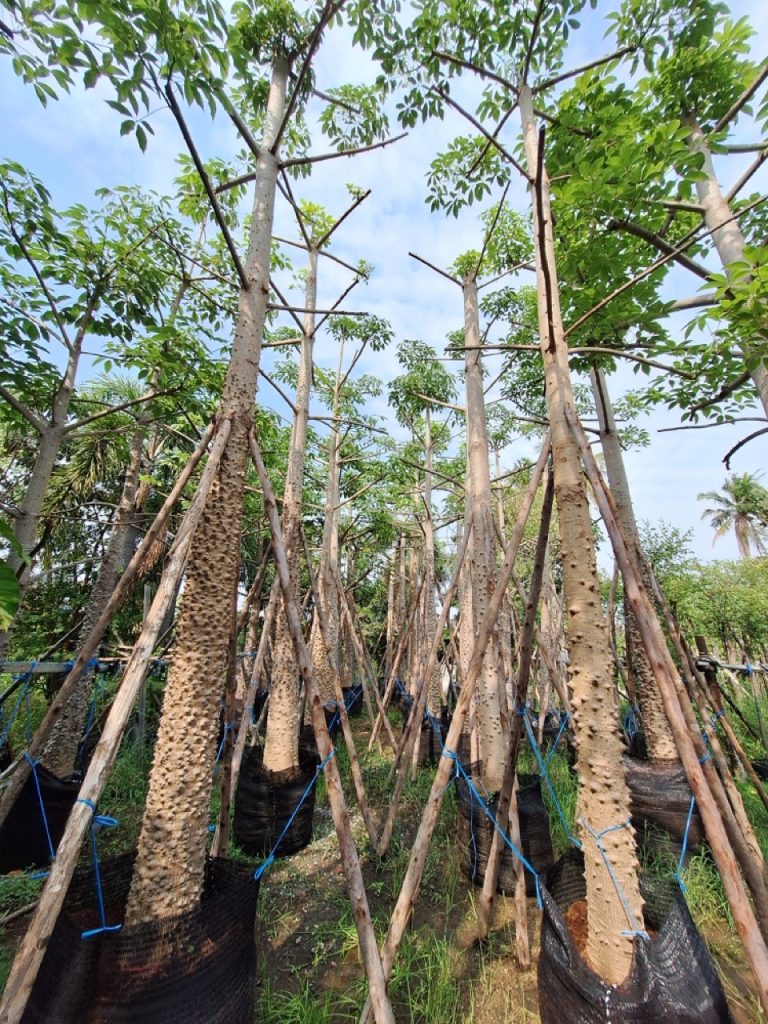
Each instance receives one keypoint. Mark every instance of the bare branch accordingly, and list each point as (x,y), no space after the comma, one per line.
(118,408)
(336,304)
(361,198)
(750,171)
(549,82)
(302,161)
(695,301)
(488,143)
(750,437)
(532,41)
(285,188)
(492,228)
(23,409)
(278,389)
(622,224)
(436,269)
(723,393)
(745,97)
(483,131)
(482,72)
(286,307)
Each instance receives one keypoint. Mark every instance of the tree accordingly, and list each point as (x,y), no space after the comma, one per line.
(742,506)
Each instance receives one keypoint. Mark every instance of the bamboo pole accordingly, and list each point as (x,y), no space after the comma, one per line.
(92,641)
(350,862)
(32,949)
(663,670)
(485,902)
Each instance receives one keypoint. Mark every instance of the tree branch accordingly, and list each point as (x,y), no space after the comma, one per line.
(437,270)
(549,82)
(37,421)
(750,437)
(750,171)
(336,304)
(118,408)
(621,224)
(361,198)
(745,97)
(302,161)
(532,41)
(483,131)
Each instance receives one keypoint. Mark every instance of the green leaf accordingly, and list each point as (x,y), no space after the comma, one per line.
(9,595)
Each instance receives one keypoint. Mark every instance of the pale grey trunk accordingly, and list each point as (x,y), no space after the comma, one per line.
(603,792)
(728,238)
(281,747)
(434,693)
(661,745)
(168,874)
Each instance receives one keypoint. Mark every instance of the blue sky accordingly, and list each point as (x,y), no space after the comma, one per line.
(74,146)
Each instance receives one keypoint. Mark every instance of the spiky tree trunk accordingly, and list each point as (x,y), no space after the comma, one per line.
(168,874)
(60,752)
(483,560)
(727,236)
(603,793)
(281,748)
(329,557)
(661,745)
(435,693)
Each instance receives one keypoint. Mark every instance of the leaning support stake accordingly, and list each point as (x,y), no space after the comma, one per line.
(410,887)
(32,949)
(93,639)
(382,1010)
(658,654)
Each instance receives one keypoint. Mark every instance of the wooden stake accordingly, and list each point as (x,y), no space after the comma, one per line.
(91,643)
(382,1010)
(32,949)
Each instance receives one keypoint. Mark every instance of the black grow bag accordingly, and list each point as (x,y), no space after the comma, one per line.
(353,699)
(265,801)
(660,799)
(23,842)
(432,737)
(761,767)
(672,979)
(196,968)
(476,835)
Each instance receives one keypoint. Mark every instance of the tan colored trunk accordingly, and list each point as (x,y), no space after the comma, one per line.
(661,745)
(483,561)
(728,238)
(60,752)
(281,747)
(434,695)
(603,793)
(168,874)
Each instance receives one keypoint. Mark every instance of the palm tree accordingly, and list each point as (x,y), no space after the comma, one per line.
(742,507)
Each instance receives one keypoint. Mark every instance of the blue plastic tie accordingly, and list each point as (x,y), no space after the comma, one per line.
(678,875)
(33,767)
(98,821)
(707,757)
(748,670)
(270,859)
(228,727)
(564,719)
(633,930)
(543,769)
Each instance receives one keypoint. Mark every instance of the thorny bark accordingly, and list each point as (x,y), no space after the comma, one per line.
(168,875)
(603,792)
(661,745)
(281,747)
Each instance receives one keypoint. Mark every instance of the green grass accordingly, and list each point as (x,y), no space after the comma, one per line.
(305,1007)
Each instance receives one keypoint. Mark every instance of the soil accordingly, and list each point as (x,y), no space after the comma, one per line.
(576,921)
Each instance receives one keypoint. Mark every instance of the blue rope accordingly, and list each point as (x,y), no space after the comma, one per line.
(564,719)
(98,821)
(678,875)
(544,772)
(228,727)
(33,767)
(634,929)
(631,726)
(270,860)
(452,755)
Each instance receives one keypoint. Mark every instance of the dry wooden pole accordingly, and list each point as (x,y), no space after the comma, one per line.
(485,901)
(663,670)
(389,688)
(409,891)
(91,643)
(32,949)
(258,667)
(413,725)
(255,590)
(346,728)
(382,1011)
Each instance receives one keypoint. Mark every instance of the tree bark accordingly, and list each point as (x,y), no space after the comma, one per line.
(281,746)
(661,745)
(728,238)
(491,740)
(603,792)
(168,874)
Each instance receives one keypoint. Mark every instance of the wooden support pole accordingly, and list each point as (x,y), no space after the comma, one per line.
(32,949)
(369,953)
(91,643)
(485,901)
(664,670)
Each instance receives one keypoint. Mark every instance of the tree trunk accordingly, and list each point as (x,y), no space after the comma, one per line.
(168,875)
(661,745)
(60,752)
(434,694)
(281,747)
(603,792)
(728,238)
(483,561)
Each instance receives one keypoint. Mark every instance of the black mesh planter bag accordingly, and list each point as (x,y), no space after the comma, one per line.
(353,699)
(265,801)
(432,737)
(672,979)
(23,839)
(476,835)
(197,968)
(660,799)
